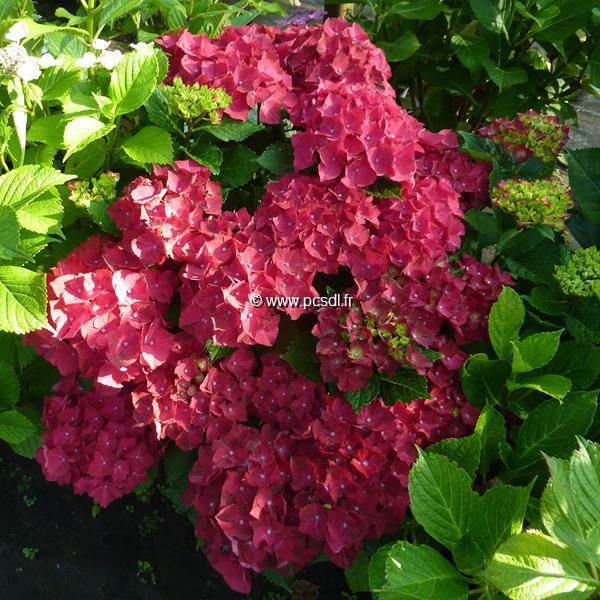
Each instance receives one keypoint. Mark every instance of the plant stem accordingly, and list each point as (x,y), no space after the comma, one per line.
(91,5)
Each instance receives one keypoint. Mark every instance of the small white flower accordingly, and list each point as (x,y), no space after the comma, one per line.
(46,60)
(110,59)
(86,61)
(185,128)
(100,44)
(17,32)
(28,70)
(142,47)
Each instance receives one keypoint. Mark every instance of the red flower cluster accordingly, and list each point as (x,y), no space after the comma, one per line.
(284,470)
(314,477)
(94,444)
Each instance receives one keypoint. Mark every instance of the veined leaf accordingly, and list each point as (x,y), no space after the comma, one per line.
(149,145)
(82,131)
(10,387)
(9,234)
(115,9)
(15,427)
(23,184)
(22,300)
(506,317)
(535,351)
(43,215)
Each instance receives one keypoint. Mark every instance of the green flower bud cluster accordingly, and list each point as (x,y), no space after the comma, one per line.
(581,277)
(197,101)
(98,189)
(540,202)
(529,134)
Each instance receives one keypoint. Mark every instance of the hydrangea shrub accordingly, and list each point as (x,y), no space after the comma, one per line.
(285,468)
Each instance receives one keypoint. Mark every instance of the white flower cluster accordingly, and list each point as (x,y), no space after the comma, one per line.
(15,60)
(108,59)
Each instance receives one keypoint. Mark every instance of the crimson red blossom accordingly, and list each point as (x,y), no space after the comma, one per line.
(93,443)
(285,470)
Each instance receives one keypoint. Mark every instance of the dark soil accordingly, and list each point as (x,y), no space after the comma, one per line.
(74,556)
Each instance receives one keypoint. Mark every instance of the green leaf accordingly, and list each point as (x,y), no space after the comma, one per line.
(231,130)
(301,355)
(484,380)
(491,431)
(210,156)
(82,131)
(14,352)
(551,427)
(278,158)
(133,81)
(48,130)
(362,397)
(9,234)
(584,179)
(504,77)
(535,351)
(29,446)
(88,161)
(441,498)
(56,81)
(22,300)
(578,361)
(15,427)
(412,572)
(43,215)
(556,386)
(506,317)
(498,514)
(239,165)
(559,25)
(20,186)
(403,47)
(422,10)
(465,451)
(405,386)
(159,110)
(560,516)
(10,388)
(116,9)
(149,145)
(547,300)
(216,352)
(585,482)
(357,576)
(582,320)
(533,565)
(470,50)
(490,15)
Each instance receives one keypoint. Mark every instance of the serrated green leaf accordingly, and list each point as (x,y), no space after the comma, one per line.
(421,572)
(441,498)
(535,351)
(423,10)
(301,355)
(484,380)
(56,81)
(43,215)
(470,50)
(547,301)
(403,47)
(505,77)
(15,427)
(278,158)
(230,130)
(363,396)
(22,300)
(465,451)
(498,514)
(585,481)
(566,18)
(216,352)
(23,184)
(506,318)
(29,446)
(555,386)
(210,156)
(578,361)
(490,14)
(133,81)
(158,108)
(149,145)
(357,576)
(582,320)
(10,388)
(9,233)
(584,179)
(48,130)
(492,431)
(82,131)
(115,9)
(551,427)
(533,565)
(405,386)
(88,161)
(238,167)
